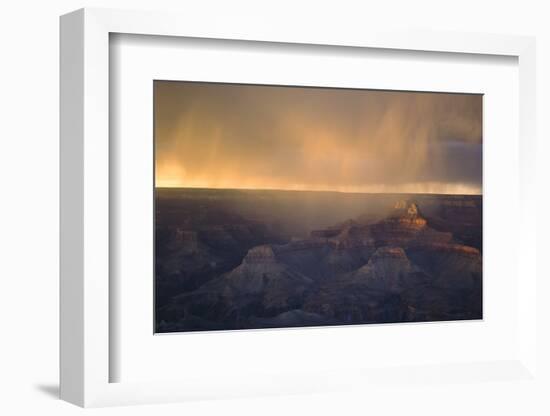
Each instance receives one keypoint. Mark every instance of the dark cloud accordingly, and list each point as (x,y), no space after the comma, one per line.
(224,135)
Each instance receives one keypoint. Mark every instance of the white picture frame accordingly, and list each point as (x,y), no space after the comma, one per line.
(85,182)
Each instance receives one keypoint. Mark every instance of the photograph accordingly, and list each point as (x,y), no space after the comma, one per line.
(279,206)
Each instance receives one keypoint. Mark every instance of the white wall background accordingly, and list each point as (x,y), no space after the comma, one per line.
(29,206)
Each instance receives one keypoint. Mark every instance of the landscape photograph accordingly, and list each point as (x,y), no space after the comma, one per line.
(289,206)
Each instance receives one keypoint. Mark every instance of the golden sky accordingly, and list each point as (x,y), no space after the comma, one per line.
(213,135)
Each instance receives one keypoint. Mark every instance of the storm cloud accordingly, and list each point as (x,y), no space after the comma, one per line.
(272,137)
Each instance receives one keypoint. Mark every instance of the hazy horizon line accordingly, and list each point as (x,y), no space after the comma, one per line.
(314,190)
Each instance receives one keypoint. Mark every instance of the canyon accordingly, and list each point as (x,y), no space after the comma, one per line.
(246,259)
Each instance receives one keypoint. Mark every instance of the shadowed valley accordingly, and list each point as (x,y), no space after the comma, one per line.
(241,259)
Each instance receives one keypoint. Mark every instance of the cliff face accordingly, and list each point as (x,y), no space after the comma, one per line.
(462,217)
(399,268)
(387,269)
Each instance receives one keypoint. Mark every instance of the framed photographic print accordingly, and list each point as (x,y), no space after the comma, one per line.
(268,212)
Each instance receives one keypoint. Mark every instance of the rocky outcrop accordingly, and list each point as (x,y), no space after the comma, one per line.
(454,266)
(259,255)
(401,227)
(460,216)
(387,269)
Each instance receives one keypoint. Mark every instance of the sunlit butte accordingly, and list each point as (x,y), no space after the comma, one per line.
(210,135)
